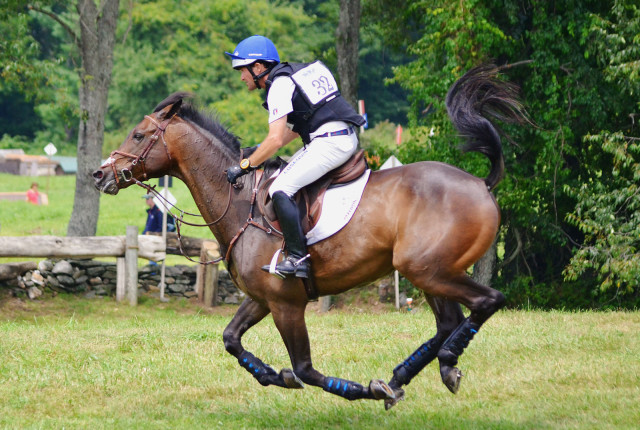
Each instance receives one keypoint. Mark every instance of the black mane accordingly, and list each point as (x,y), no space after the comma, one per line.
(191,113)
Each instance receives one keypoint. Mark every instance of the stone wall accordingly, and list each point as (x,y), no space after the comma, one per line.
(97,278)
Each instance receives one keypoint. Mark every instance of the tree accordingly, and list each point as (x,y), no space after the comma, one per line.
(347,39)
(569,93)
(441,39)
(608,211)
(94,40)
(188,55)
(22,72)
(96,43)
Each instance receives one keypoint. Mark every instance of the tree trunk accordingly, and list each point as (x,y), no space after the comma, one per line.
(347,40)
(485,267)
(97,39)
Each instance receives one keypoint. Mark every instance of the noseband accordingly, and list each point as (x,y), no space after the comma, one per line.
(127,175)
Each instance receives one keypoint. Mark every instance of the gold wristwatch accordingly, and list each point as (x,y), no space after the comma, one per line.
(245,164)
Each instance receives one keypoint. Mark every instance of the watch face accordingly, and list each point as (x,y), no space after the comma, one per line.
(244,164)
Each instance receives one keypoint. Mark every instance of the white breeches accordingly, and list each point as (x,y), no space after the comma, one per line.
(321,155)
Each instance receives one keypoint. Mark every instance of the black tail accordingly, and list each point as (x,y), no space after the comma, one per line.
(471,100)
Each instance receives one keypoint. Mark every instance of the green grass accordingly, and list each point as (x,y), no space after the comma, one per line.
(66,362)
(72,363)
(19,218)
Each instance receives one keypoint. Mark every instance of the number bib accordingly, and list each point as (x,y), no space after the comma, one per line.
(316,82)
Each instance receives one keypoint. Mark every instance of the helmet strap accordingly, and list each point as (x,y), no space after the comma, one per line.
(256,78)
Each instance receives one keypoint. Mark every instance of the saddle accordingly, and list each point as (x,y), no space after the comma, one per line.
(309,199)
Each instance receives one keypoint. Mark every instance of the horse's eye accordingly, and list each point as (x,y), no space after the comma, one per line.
(138,137)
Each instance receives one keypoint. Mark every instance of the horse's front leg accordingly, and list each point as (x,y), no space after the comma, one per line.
(289,320)
(249,314)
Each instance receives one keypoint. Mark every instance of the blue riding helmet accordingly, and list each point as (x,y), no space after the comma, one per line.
(252,49)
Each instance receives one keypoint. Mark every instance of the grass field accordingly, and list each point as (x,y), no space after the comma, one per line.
(72,363)
(19,218)
(66,362)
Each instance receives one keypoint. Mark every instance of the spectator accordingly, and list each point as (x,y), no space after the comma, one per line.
(33,196)
(154,216)
(171,223)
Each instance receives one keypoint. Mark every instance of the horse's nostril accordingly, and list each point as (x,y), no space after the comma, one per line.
(98,174)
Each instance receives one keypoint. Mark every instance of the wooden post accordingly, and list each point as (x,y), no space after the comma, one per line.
(199,287)
(211,285)
(396,282)
(207,275)
(325,303)
(131,264)
(120,279)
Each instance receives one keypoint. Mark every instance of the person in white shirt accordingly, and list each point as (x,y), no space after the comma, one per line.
(303,101)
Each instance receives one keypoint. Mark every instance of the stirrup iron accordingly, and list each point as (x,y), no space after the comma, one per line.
(274,263)
(297,267)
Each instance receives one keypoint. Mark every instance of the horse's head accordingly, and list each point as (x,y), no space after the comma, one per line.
(144,153)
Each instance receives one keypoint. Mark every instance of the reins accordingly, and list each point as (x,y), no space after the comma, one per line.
(127,175)
(180,219)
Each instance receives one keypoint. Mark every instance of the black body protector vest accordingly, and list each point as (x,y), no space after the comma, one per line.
(316,98)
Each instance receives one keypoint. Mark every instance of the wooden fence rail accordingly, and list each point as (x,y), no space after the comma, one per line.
(149,247)
(126,250)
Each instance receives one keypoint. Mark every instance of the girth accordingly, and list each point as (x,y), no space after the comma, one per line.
(310,198)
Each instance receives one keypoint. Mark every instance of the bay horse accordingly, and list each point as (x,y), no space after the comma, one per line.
(428,220)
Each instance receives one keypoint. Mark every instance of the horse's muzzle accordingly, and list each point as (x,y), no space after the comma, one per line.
(104,183)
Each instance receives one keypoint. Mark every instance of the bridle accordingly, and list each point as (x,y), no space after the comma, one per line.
(127,175)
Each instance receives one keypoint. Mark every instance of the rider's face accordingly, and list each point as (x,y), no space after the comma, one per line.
(247,78)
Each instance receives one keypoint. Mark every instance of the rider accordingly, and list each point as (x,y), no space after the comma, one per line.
(303,100)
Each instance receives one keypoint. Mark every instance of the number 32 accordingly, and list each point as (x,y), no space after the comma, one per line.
(322,85)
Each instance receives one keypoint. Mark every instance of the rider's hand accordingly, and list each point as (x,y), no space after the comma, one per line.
(234,172)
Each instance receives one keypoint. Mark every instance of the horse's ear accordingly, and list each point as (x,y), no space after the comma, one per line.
(171,110)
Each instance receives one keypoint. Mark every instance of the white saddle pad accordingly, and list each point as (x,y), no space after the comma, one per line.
(338,207)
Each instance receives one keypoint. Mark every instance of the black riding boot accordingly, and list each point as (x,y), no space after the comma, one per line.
(295,242)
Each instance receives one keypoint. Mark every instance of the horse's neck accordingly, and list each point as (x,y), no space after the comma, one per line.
(202,168)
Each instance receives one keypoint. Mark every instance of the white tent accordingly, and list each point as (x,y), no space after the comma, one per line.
(391,162)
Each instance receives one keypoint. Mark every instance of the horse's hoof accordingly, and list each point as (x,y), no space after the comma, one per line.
(290,379)
(452,379)
(399,395)
(380,390)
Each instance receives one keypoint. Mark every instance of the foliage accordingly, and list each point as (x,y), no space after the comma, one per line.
(379,143)
(188,55)
(609,216)
(608,208)
(578,74)
(18,50)
(10,142)
(36,87)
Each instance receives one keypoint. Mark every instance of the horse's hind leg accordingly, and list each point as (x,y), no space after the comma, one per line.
(448,315)
(289,320)
(249,314)
(482,302)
